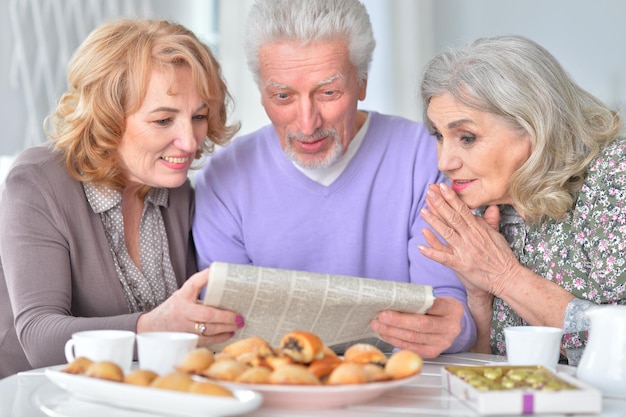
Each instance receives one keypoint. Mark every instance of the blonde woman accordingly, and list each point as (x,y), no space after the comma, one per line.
(96,223)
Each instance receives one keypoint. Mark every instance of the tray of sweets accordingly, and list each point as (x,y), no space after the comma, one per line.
(520,390)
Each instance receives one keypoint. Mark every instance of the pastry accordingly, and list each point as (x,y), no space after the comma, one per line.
(347,373)
(375,373)
(404,363)
(326,351)
(105,370)
(221,356)
(143,377)
(209,388)
(225,370)
(78,366)
(177,381)
(323,367)
(365,353)
(255,375)
(196,361)
(250,344)
(293,375)
(250,359)
(302,347)
(276,361)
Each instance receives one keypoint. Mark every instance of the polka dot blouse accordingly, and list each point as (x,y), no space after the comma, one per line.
(154,282)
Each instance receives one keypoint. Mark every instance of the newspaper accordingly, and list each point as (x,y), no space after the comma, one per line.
(337,308)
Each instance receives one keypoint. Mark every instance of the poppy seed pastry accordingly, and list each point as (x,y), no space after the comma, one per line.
(302,347)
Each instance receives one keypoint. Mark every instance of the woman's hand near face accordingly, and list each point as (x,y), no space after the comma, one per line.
(182,311)
(479,255)
(486,265)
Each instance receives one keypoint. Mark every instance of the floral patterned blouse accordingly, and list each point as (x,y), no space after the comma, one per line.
(585,253)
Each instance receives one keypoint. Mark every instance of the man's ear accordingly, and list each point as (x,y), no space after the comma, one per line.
(362,90)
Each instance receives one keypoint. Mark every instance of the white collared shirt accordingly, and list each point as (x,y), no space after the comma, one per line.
(326,176)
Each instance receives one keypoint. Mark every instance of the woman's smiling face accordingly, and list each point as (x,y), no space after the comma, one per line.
(478,151)
(162,137)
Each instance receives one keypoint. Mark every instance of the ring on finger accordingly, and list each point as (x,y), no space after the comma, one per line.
(200,328)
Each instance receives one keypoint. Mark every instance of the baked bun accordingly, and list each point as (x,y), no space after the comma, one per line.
(253,344)
(348,373)
(142,377)
(78,366)
(255,375)
(250,359)
(302,347)
(209,388)
(225,370)
(323,367)
(365,353)
(276,361)
(177,381)
(219,356)
(293,375)
(105,370)
(196,361)
(326,351)
(404,363)
(375,373)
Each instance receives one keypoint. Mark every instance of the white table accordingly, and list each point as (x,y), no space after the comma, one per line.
(21,396)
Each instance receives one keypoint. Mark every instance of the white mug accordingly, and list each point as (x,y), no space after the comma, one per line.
(162,351)
(533,345)
(102,345)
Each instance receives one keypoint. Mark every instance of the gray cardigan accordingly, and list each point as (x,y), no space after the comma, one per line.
(57,274)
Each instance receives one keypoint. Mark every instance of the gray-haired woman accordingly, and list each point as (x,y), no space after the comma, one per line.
(538,159)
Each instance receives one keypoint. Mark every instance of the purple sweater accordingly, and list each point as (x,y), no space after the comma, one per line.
(253,206)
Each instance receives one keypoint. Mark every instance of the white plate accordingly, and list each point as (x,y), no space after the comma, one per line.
(313,397)
(153,400)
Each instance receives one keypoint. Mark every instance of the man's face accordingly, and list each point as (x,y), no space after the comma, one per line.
(310,93)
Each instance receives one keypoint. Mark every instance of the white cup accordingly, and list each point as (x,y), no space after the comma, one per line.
(102,345)
(533,345)
(162,351)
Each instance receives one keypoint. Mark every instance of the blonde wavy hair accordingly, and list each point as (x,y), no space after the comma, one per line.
(108,77)
(522,83)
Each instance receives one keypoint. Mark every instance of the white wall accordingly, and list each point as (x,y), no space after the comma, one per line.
(588,37)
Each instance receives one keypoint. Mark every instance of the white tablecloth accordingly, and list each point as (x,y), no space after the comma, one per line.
(30,394)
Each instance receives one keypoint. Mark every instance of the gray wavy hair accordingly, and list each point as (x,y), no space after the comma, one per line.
(309,21)
(521,82)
